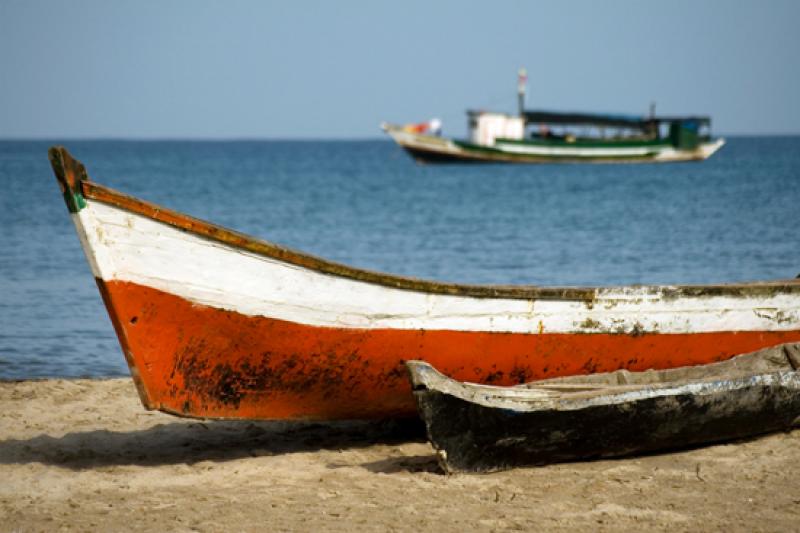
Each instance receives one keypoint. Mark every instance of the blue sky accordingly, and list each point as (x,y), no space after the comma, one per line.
(314,69)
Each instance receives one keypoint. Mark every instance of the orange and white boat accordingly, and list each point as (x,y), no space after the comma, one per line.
(214,323)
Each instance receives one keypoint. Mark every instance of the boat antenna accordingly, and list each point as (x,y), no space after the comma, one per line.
(522,82)
(652,126)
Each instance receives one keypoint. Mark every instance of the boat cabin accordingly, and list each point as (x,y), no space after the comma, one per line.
(486,126)
(685,133)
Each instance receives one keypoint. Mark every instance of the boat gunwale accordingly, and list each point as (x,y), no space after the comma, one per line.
(77,181)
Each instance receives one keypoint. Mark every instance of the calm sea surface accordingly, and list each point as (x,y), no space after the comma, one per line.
(735,217)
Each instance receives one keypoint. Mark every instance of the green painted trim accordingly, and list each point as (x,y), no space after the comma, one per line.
(75,201)
(496,152)
(69,174)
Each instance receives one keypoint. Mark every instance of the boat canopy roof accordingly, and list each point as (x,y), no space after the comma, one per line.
(612,120)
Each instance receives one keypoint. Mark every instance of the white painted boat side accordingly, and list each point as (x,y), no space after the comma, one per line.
(125,246)
(577,151)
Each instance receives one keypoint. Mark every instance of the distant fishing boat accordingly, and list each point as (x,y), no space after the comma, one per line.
(534,136)
(480,428)
(214,323)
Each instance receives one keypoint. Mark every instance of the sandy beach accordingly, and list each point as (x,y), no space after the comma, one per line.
(84,455)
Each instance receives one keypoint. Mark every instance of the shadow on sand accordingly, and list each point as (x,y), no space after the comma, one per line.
(191,442)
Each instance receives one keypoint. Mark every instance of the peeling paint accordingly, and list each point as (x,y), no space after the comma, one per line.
(590,324)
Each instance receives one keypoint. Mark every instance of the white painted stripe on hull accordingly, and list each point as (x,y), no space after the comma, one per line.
(659,152)
(576,151)
(129,247)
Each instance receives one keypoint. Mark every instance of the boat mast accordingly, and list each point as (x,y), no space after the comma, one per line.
(522,82)
(652,127)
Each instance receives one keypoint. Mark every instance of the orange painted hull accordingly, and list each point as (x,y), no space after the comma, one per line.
(201,361)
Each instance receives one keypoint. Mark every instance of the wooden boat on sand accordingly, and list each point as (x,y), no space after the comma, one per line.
(214,323)
(480,428)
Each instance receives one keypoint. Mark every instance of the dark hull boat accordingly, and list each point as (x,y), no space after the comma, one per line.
(481,428)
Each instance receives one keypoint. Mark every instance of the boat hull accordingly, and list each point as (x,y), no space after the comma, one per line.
(432,149)
(217,324)
(482,430)
(197,360)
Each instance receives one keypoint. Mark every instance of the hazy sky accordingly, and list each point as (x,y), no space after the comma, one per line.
(336,69)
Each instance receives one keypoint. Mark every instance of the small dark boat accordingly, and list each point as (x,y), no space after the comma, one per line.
(483,428)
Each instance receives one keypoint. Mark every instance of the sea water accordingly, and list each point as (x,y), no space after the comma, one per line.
(732,218)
